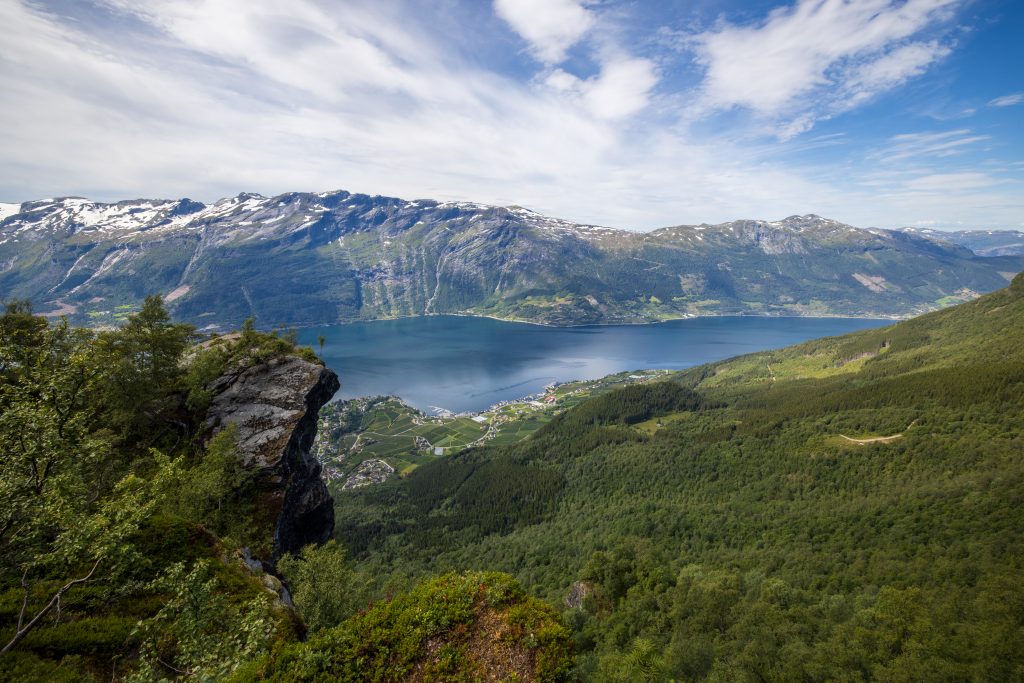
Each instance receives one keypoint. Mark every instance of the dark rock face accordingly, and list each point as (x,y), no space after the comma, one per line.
(275,407)
(578,592)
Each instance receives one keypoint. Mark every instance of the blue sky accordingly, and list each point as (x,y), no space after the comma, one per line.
(633,114)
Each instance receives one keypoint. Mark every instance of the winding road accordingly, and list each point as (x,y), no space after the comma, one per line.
(878,439)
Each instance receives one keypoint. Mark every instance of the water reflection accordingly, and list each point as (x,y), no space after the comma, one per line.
(467,364)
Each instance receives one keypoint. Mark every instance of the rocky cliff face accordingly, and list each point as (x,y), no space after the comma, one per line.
(275,406)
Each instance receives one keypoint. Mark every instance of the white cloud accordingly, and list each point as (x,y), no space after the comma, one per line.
(1008,100)
(893,69)
(621,89)
(89,115)
(782,66)
(331,56)
(206,98)
(950,182)
(551,27)
(918,145)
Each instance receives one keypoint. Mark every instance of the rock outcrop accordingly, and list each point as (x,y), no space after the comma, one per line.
(275,406)
(578,593)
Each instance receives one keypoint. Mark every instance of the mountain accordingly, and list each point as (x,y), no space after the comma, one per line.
(302,259)
(981,242)
(843,509)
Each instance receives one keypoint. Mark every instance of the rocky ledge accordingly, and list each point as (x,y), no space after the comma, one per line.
(275,407)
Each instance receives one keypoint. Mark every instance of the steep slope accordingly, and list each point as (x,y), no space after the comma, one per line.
(155,496)
(845,509)
(304,258)
(274,407)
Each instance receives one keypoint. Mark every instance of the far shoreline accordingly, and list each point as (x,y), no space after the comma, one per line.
(739,337)
(639,323)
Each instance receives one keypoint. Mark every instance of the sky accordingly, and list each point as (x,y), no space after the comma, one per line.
(628,113)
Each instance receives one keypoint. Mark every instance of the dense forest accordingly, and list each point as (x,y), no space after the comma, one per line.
(128,533)
(846,509)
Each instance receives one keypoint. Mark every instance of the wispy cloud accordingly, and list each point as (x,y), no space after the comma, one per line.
(951,182)
(890,70)
(206,98)
(1008,100)
(213,112)
(933,144)
(818,56)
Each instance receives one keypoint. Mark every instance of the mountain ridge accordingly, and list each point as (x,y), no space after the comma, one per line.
(981,242)
(320,258)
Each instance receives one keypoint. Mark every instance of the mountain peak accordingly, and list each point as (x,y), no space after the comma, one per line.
(810,220)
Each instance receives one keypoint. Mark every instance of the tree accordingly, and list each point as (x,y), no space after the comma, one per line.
(142,369)
(217,492)
(323,585)
(65,514)
(50,456)
(97,540)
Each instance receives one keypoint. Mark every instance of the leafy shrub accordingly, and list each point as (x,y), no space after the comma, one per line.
(458,627)
(324,587)
(199,632)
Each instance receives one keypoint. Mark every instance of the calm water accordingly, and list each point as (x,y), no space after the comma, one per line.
(468,364)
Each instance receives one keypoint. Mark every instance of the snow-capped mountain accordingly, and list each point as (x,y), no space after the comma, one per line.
(981,242)
(308,258)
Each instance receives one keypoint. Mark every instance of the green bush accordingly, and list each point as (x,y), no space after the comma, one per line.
(458,627)
(26,667)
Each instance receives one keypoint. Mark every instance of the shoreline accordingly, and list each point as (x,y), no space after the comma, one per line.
(640,323)
(445,414)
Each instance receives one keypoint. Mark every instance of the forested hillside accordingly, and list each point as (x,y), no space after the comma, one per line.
(155,492)
(845,509)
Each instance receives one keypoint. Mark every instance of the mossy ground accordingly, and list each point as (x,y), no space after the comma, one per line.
(477,626)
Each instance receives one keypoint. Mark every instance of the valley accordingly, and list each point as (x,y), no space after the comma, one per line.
(511,341)
(770,516)
(384,429)
(842,506)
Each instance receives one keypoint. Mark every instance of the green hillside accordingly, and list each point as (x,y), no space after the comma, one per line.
(845,509)
(146,536)
(385,429)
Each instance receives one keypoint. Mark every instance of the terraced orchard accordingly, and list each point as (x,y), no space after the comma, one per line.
(367,440)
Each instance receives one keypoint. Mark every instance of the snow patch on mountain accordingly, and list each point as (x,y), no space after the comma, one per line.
(8,210)
(559,225)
